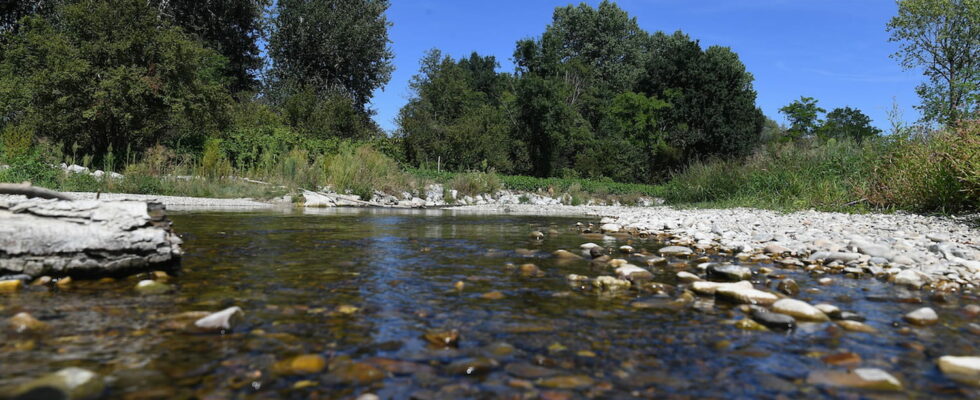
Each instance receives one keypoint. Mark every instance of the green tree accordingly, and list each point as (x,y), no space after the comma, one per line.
(232,27)
(943,38)
(333,46)
(101,73)
(803,116)
(847,122)
(11,11)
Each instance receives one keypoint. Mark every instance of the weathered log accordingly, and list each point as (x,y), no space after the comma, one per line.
(84,238)
(25,189)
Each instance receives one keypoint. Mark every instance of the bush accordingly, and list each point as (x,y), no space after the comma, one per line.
(474,183)
(362,170)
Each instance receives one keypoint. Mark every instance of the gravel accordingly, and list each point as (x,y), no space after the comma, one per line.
(941,250)
(180,203)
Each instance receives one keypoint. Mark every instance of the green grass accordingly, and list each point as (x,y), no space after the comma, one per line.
(549,185)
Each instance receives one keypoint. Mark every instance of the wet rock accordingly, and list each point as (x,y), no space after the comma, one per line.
(860,378)
(652,261)
(536,235)
(799,310)
(220,321)
(530,271)
(577,278)
(70,383)
(566,382)
(300,365)
(830,310)
(567,255)
(472,366)
(676,251)
(922,317)
(609,283)
(596,252)
(846,358)
(850,316)
(745,295)
(349,309)
(494,295)
(150,287)
(825,281)
(788,286)
(687,277)
(729,272)
(617,262)
(610,228)
(443,338)
(587,246)
(773,248)
(633,273)
(11,285)
(500,349)
(971,310)
(772,320)
(828,257)
(709,288)
(911,278)
(750,325)
(25,323)
(529,371)
(961,369)
(355,373)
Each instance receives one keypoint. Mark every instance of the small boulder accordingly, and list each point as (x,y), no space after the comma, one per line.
(676,251)
(922,317)
(70,383)
(745,295)
(772,320)
(633,273)
(220,321)
(150,287)
(860,378)
(729,272)
(963,369)
(25,323)
(799,310)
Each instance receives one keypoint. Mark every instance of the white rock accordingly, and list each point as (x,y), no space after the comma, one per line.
(922,316)
(633,272)
(610,228)
(799,310)
(966,367)
(221,320)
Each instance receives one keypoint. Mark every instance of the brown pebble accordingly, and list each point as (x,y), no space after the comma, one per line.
(846,358)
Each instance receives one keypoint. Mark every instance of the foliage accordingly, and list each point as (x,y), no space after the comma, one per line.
(326,115)
(475,183)
(942,37)
(803,116)
(847,122)
(109,73)
(335,46)
(362,170)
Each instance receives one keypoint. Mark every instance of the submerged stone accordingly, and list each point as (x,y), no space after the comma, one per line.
(10,286)
(472,366)
(566,382)
(26,323)
(448,338)
(961,369)
(220,321)
(860,378)
(771,319)
(147,286)
(300,365)
(856,326)
(922,317)
(676,251)
(745,295)
(70,383)
(799,310)
(729,272)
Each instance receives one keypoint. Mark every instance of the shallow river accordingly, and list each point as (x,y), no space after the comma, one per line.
(369,291)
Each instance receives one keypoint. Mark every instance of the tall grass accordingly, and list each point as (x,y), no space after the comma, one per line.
(362,170)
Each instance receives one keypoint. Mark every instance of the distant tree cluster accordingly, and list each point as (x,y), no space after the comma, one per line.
(840,123)
(593,96)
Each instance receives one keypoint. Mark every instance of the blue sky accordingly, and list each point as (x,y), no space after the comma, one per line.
(836,51)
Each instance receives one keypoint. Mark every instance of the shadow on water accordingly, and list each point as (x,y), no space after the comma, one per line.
(362,288)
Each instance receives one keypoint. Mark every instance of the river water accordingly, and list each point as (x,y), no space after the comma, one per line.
(362,289)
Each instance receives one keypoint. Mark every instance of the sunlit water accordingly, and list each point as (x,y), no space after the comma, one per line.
(293,272)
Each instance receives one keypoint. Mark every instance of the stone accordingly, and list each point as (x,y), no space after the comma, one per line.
(856,326)
(25,323)
(633,273)
(709,288)
(536,235)
(729,272)
(610,228)
(11,285)
(472,366)
(597,251)
(799,310)
(676,251)
(963,369)
(829,309)
(860,378)
(922,317)
(220,321)
(911,278)
(494,295)
(300,365)
(687,277)
(846,358)
(70,383)
(151,287)
(608,283)
(627,249)
(567,255)
(773,248)
(750,325)
(529,371)
(443,338)
(587,246)
(788,286)
(356,373)
(745,295)
(530,271)
(772,320)
(566,382)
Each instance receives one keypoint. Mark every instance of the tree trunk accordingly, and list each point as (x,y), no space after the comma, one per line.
(84,238)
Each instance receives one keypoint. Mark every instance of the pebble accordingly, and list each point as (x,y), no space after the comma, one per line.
(587,246)
(745,295)
(472,366)
(609,283)
(300,365)
(149,287)
(922,317)
(860,378)
(750,325)
(772,320)
(566,382)
(530,270)
(830,310)
(633,273)
(25,323)
(536,235)
(357,373)
(70,383)
(443,338)
(10,286)
(788,286)
(610,228)
(676,251)
(529,371)
(687,277)
(728,272)
(799,310)
(961,368)
(773,248)
(911,278)
(494,295)
(220,321)
(709,288)
(565,254)
(627,249)
(856,326)
(846,358)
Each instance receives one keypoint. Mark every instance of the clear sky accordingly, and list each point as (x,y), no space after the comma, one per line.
(836,51)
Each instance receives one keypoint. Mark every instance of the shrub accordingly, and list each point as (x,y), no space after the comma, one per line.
(474,183)
(214,162)
(362,170)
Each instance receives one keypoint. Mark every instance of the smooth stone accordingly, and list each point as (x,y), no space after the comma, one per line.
(577,278)
(831,310)
(222,320)
(357,373)
(494,295)
(860,378)
(10,286)
(300,365)
(773,248)
(530,270)
(827,256)
(709,288)
(750,325)
(70,383)
(965,369)
(788,286)
(616,262)
(799,310)
(610,228)
(529,371)
(472,366)
(687,277)
(587,246)
(536,235)
(729,272)
(850,316)
(443,338)
(151,287)
(633,272)
(597,251)
(922,317)
(911,278)
(772,320)
(675,251)
(609,283)
(652,261)
(566,382)
(565,254)
(26,323)
(627,249)
(745,295)
(845,358)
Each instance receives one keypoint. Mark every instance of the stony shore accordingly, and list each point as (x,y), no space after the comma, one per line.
(180,202)
(912,250)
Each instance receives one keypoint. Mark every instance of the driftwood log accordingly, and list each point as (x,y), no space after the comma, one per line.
(84,238)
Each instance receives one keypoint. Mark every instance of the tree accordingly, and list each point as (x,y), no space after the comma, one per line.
(455,114)
(943,38)
(11,11)
(232,27)
(847,122)
(103,74)
(333,46)
(803,115)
